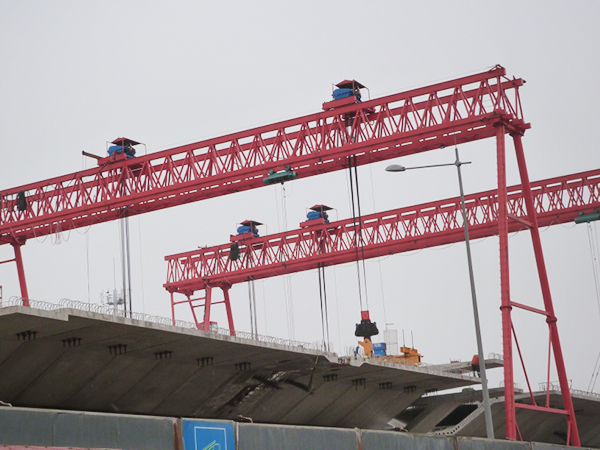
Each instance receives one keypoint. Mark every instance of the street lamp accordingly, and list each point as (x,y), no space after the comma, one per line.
(486,396)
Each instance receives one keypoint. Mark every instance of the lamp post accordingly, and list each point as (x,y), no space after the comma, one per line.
(486,396)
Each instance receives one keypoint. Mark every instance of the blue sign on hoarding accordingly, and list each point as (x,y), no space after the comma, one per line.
(205,435)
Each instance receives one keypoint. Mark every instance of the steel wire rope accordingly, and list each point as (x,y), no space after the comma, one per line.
(594,374)
(122,254)
(37,238)
(355,233)
(321,299)
(58,237)
(360,228)
(128,265)
(81,233)
(87,260)
(252,305)
(378,259)
(255,309)
(323,294)
(141,263)
(44,193)
(337,311)
(287,282)
(594,253)
(480,240)
(563,225)
(88,227)
(264,306)
(326,307)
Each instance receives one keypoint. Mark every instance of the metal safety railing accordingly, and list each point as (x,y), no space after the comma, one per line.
(107,310)
(554,386)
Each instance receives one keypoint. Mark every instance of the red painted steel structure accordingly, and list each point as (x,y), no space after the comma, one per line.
(557,200)
(462,110)
(422,119)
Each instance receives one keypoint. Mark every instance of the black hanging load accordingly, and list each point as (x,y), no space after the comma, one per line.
(366,328)
(234,251)
(21,201)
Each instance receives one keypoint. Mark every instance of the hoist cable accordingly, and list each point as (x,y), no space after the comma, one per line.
(264,301)
(255,310)
(326,308)
(252,302)
(337,309)
(123,263)
(287,282)
(87,256)
(355,233)
(594,253)
(250,306)
(321,299)
(141,264)
(594,374)
(128,266)
(360,228)
(378,259)
(87,247)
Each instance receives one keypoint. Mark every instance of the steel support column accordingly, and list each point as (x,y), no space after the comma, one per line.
(509,390)
(172,307)
(228,308)
(21,273)
(206,324)
(547,297)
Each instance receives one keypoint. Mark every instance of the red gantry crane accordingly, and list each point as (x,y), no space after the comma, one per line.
(460,110)
(347,132)
(317,242)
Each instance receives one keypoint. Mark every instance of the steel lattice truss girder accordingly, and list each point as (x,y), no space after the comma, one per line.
(460,110)
(557,200)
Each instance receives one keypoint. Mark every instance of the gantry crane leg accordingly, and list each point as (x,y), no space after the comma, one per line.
(545,286)
(21,273)
(507,304)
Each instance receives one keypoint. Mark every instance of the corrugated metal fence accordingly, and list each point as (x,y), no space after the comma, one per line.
(35,429)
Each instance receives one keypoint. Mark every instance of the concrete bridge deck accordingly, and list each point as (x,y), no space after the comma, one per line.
(79,360)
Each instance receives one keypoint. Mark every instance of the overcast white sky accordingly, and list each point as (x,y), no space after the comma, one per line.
(77,74)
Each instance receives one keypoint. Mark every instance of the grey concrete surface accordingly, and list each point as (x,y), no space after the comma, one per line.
(534,426)
(65,359)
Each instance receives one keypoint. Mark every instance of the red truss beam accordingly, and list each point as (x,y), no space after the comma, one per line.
(556,200)
(418,120)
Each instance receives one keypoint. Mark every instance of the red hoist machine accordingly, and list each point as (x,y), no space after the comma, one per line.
(348,132)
